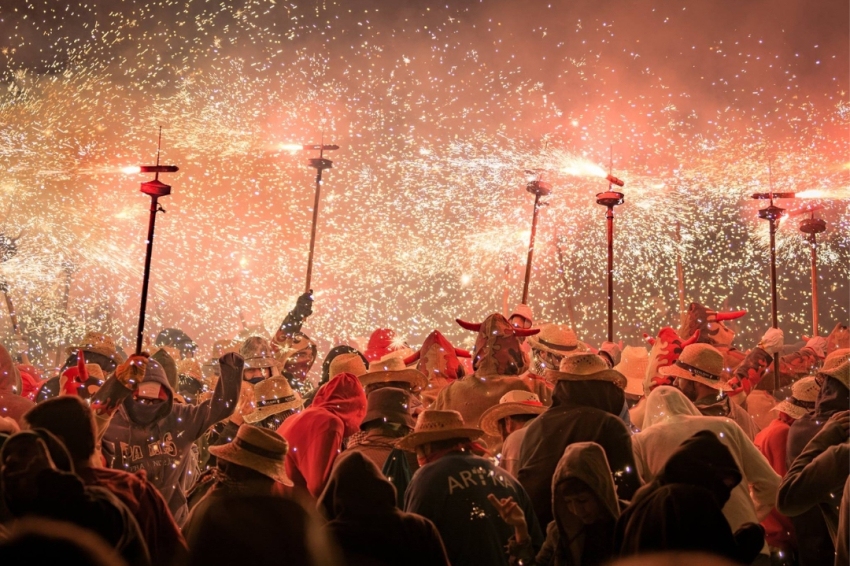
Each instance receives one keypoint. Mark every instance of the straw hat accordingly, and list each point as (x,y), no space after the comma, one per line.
(257,353)
(96,343)
(347,363)
(516,402)
(804,393)
(558,339)
(633,364)
(585,367)
(392,368)
(701,363)
(433,425)
(837,366)
(191,368)
(272,396)
(259,449)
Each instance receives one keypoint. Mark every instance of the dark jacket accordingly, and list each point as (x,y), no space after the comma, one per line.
(452,492)
(161,448)
(360,505)
(581,411)
(682,508)
(814,543)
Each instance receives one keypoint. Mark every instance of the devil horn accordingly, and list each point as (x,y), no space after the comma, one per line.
(526,331)
(475,327)
(649,339)
(81,366)
(412,358)
(721,316)
(462,353)
(692,339)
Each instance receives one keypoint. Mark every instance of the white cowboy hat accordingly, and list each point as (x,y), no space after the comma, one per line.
(804,393)
(558,339)
(392,368)
(701,363)
(272,396)
(433,425)
(516,402)
(585,367)
(633,364)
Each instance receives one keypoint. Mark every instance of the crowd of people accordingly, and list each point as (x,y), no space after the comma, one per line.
(533,448)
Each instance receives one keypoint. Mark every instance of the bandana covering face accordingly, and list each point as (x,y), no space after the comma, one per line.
(497,349)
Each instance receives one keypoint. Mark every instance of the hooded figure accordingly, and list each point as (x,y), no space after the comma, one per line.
(315,435)
(586,402)
(585,508)
(11,403)
(150,432)
(497,360)
(360,505)
(815,544)
(439,360)
(680,510)
(671,419)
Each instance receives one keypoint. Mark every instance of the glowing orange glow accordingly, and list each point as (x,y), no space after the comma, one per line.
(293,147)
(582,168)
(131,170)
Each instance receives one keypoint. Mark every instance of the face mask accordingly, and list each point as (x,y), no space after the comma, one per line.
(144,413)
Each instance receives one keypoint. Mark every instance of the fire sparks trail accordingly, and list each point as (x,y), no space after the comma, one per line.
(438,109)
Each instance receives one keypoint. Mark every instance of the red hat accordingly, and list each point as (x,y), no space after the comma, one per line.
(380,344)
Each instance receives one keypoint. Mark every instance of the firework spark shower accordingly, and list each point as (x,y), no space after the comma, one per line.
(439,108)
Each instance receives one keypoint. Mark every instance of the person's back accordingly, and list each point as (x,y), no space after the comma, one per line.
(359,504)
(581,411)
(452,492)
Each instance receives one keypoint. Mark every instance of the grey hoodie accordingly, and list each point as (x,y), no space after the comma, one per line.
(161,448)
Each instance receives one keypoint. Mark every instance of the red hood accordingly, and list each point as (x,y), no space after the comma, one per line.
(344,397)
(438,358)
(10,378)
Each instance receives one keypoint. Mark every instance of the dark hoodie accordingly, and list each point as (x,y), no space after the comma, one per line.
(581,411)
(157,438)
(682,508)
(815,544)
(315,435)
(360,505)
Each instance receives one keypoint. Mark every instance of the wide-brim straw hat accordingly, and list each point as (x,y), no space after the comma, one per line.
(259,449)
(96,343)
(272,396)
(633,364)
(701,363)
(558,339)
(804,394)
(347,363)
(837,366)
(433,426)
(516,402)
(584,366)
(392,368)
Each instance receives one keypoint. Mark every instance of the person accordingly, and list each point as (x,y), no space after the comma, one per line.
(508,420)
(360,506)
(261,530)
(680,509)
(497,361)
(190,380)
(341,359)
(253,464)
(440,362)
(709,324)
(71,420)
(97,349)
(391,371)
(294,351)
(259,360)
(387,419)
(315,435)
(44,541)
(149,432)
(671,419)
(452,486)
(697,374)
(815,543)
(274,401)
(382,342)
(12,404)
(772,442)
(547,349)
(633,365)
(818,475)
(176,338)
(587,400)
(753,374)
(585,507)
(34,486)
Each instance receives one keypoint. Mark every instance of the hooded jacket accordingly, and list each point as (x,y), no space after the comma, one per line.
(360,505)
(315,434)
(814,543)
(161,447)
(671,419)
(681,508)
(11,403)
(581,411)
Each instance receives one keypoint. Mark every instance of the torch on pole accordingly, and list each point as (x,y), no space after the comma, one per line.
(539,189)
(155,189)
(610,199)
(319,164)
(812,227)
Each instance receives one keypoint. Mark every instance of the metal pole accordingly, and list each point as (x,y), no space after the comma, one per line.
(530,249)
(610,217)
(146,278)
(773,298)
(313,230)
(680,275)
(813,241)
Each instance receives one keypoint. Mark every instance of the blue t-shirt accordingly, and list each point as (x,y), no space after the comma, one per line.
(452,492)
